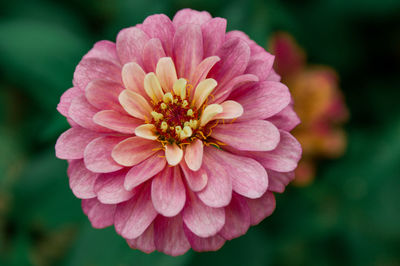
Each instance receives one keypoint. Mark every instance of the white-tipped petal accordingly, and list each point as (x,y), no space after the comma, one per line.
(180,85)
(146,131)
(209,113)
(135,104)
(231,110)
(203,90)
(153,87)
(173,154)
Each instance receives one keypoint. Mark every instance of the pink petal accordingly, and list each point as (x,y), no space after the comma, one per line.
(166,73)
(100,215)
(261,65)
(66,99)
(254,135)
(104,50)
(97,155)
(201,71)
(188,49)
(278,181)
(213,35)
(82,113)
(284,157)
(130,44)
(116,121)
(194,155)
(81,180)
(134,216)
(235,55)
(133,78)
(201,219)
(286,119)
(200,244)
(189,16)
(223,92)
(161,27)
(168,192)
(195,180)
(92,68)
(144,170)
(134,150)
(152,52)
(110,188)
(103,94)
(218,192)
(273,76)
(145,242)
(249,177)
(71,144)
(265,100)
(261,208)
(237,218)
(169,236)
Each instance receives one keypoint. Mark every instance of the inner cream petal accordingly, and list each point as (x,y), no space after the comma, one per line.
(135,104)
(203,90)
(173,154)
(153,87)
(133,77)
(166,73)
(209,113)
(180,87)
(231,110)
(146,131)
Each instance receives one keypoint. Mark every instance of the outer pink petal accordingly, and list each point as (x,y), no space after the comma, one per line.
(66,99)
(71,144)
(152,52)
(169,236)
(116,121)
(130,44)
(286,119)
(261,65)
(273,76)
(100,215)
(213,35)
(160,26)
(97,155)
(261,208)
(133,78)
(110,188)
(202,70)
(262,100)
(144,171)
(195,180)
(249,177)
(235,55)
(285,157)
(201,219)
(92,68)
(255,135)
(104,50)
(218,192)
(278,181)
(168,192)
(238,81)
(145,242)
(188,49)
(82,113)
(134,216)
(81,180)
(189,16)
(103,94)
(200,244)
(134,150)
(194,155)
(237,218)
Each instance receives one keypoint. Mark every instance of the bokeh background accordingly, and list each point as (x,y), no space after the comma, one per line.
(348,215)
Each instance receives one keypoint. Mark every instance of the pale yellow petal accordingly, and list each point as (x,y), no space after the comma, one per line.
(203,90)
(135,104)
(166,73)
(146,131)
(173,154)
(209,113)
(152,87)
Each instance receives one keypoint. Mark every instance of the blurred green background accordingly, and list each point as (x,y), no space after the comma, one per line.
(350,215)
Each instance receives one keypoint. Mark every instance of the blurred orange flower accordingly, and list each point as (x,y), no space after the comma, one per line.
(317,100)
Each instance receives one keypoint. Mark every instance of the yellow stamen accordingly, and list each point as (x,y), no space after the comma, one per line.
(164,126)
(186,132)
(187,123)
(178,129)
(168,97)
(157,116)
(185,103)
(190,112)
(163,106)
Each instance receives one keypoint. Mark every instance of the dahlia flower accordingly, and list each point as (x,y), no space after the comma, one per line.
(179,133)
(318,102)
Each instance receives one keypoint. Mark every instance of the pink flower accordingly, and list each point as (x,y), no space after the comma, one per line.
(179,133)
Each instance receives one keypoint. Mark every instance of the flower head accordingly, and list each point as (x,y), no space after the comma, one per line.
(318,102)
(179,133)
